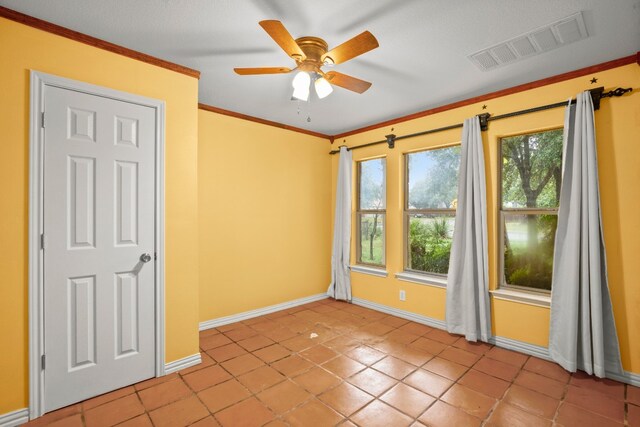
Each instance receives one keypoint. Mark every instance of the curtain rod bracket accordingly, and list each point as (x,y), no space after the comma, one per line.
(391,140)
(596,96)
(484,121)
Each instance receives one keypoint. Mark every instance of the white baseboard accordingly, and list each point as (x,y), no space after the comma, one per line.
(626,377)
(185,362)
(521,346)
(14,418)
(220,321)
(418,318)
(508,343)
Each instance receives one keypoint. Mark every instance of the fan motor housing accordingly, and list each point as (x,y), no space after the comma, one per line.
(313,48)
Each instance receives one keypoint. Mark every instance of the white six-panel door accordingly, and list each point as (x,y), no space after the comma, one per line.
(99,327)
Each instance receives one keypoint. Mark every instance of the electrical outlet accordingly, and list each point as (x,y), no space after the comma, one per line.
(403,295)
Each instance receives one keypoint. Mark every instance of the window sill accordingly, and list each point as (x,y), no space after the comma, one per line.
(378,272)
(530,298)
(422,279)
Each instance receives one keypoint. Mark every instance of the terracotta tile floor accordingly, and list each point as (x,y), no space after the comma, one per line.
(363,368)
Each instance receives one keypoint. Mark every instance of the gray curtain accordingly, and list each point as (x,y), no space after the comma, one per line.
(582,331)
(468,309)
(340,287)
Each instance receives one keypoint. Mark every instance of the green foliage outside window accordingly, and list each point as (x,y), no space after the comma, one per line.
(432,189)
(430,243)
(531,179)
(526,265)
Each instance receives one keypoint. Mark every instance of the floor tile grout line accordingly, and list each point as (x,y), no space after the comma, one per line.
(626,404)
(351,332)
(401,380)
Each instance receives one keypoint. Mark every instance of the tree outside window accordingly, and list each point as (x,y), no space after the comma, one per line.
(531,174)
(431,189)
(371,212)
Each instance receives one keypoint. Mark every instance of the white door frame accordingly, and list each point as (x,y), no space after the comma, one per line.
(36,205)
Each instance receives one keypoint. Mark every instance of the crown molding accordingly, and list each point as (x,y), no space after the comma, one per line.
(95,42)
(500,93)
(237,115)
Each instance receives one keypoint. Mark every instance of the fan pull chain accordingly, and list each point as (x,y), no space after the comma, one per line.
(307,111)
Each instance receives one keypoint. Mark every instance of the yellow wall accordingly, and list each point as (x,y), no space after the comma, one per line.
(617,127)
(249,207)
(24,48)
(265,215)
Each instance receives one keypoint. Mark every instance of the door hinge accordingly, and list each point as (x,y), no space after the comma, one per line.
(42,119)
(155,256)
(43,360)
(42,241)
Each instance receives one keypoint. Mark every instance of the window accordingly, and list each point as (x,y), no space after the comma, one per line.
(431,189)
(530,177)
(371,212)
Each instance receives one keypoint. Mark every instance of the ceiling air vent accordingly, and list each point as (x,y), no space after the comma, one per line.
(540,40)
(503,54)
(484,60)
(523,46)
(545,39)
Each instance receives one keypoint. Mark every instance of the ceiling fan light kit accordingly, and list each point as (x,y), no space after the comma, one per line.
(323,87)
(301,83)
(310,55)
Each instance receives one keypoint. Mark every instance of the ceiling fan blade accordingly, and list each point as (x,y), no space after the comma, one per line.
(262,70)
(358,45)
(280,35)
(347,82)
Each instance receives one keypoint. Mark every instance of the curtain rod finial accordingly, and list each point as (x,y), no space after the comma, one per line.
(598,93)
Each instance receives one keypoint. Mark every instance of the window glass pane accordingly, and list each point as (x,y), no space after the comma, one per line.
(429,242)
(528,249)
(372,184)
(372,238)
(433,178)
(531,170)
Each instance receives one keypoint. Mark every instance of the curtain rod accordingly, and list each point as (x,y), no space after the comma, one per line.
(596,95)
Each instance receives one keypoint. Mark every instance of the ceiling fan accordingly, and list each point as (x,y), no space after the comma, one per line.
(310,54)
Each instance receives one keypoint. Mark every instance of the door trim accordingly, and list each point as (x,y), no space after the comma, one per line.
(36,205)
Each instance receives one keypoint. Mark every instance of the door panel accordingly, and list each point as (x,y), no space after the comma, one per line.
(127,330)
(81,125)
(81,332)
(126,195)
(82,203)
(99,210)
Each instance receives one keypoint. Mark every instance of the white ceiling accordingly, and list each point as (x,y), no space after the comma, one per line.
(421,62)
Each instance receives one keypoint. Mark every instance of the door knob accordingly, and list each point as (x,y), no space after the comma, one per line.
(145,257)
